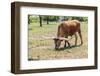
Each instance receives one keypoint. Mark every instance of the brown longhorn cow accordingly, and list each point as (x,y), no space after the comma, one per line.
(65,29)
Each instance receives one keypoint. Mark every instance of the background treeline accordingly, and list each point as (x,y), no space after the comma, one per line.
(47,19)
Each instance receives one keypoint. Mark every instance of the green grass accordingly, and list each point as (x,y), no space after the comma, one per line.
(44,49)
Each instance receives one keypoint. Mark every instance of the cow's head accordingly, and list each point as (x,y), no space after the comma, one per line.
(57,43)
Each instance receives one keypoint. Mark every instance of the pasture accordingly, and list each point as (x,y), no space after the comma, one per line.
(43,49)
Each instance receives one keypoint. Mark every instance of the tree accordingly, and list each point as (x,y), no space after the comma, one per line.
(47,19)
(40,18)
(29,21)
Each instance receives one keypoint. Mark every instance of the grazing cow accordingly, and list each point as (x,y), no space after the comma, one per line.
(65,29)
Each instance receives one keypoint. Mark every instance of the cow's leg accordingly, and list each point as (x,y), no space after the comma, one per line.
(79,32)
(75,39)
(67,43)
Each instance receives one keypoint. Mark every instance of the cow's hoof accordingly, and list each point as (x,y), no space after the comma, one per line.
(69,47)
(65,46)
(81,43)
(56,48)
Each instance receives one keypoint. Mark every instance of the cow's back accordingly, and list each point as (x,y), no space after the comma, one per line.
(69,27)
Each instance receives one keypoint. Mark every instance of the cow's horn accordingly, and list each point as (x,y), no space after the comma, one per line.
(45,37)
(63,38)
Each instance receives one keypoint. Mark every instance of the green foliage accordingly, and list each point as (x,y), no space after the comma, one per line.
(48,19)
(32,19)
(82,19)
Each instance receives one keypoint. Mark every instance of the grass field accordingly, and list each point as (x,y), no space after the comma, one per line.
(44,49)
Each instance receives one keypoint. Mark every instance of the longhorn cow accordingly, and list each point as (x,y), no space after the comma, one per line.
(65,29)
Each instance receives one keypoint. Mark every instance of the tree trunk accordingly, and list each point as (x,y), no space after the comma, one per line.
(47,20)
(40,18)
(29,19)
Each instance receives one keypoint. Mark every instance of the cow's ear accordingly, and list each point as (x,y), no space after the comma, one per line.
(54,39)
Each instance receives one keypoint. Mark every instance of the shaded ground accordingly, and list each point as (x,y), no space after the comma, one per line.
(44,49)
